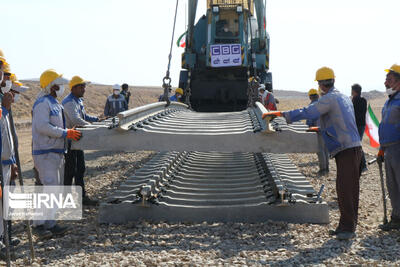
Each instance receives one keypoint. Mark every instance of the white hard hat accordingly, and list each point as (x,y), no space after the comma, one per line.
(116,87)
(261,87)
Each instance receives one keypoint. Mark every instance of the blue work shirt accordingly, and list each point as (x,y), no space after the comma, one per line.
(313,122)
(389,128)
(75,114)
(174,98)
(338,124)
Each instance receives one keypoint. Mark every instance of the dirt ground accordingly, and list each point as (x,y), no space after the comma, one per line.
(143,243)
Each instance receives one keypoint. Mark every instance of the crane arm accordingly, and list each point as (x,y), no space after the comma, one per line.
(191,18)
(261,21)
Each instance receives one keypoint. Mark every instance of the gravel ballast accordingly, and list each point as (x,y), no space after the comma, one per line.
(219,244)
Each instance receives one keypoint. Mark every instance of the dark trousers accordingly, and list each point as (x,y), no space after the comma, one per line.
(392,159)
(75,168)
(348,187)
(361,130)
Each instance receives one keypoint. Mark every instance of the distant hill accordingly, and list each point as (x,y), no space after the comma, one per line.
(374,94)
(96,96)
(282,94)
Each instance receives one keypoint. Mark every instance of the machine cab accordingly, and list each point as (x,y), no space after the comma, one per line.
(227,25)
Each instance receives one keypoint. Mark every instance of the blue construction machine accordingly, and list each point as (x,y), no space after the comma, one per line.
(225,48)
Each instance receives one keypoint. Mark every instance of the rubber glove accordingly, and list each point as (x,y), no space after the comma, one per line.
(313,129)
(381,155)
(272,114)
(74,134)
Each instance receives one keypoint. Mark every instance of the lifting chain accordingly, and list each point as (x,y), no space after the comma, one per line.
(167,88)
(188,91)
(252,91)
(253,84)
(167,80)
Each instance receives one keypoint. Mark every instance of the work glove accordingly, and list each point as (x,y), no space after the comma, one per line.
(381,155)
(272,114)
(74,134)
(313,129)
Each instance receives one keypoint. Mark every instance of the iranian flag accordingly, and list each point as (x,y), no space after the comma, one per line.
(371,128)
(181,41)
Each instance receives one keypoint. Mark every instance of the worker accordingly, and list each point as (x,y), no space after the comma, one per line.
(323,154)
(261,91)
(339,130)
(223,29)
(9,141)
(75,116)
(6,83)
(268,100)
(48,138)
(389,140)
(177,97)
(126,93)
(115,103)
(313,96)
(9,167)
(360,110)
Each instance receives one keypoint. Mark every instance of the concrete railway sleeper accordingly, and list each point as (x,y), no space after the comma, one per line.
(177,128)
(246,181)
(264,186)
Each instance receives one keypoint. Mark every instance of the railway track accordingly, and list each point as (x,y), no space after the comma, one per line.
(215,186)
(176,128)
(249,179)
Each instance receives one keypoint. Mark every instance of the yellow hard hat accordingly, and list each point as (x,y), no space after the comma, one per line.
(6,67)
(179,91)
(395,68)
(18,83)
(1,53)
(47,77)
(324,73)
(14,80)
(312,92)
(77,80)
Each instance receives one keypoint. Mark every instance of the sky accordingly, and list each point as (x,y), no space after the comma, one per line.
(116,41)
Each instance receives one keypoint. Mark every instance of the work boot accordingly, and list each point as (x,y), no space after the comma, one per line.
(323,172)
(41,232)
(58,230)
(345,235)
(86,201)
(394,224)
(3,253)
(334,232)
(15,242)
